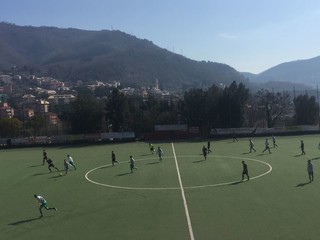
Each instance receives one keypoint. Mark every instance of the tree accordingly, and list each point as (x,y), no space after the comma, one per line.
(212,106)
(306,110)
(194,107)
(232,104)
(116,110)
(36,123)
(10,127)
(85,115)
(275,105)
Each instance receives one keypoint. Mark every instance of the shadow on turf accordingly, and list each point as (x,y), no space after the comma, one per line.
(110,166)
(151,163)
(236,183)
(198,161)
(303,184)
(143,155)
(123,174)
(298,155)
(39,174)
(35,165)
(24,221)
(57,176)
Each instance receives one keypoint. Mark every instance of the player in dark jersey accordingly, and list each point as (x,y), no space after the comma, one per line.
(245,171)
(113,158)
(44,157)
(204,152)
(302,148)
(51,165)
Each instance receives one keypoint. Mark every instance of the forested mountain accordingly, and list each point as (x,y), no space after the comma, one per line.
(73,54)
(305,72)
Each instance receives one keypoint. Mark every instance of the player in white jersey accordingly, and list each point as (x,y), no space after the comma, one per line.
(43,204)
(71,162)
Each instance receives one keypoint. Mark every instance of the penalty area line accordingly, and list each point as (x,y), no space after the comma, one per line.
(183,195)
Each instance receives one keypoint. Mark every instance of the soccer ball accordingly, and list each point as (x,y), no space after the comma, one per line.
(60,174)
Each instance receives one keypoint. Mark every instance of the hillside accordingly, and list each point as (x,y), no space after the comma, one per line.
(302,71)
(73,54)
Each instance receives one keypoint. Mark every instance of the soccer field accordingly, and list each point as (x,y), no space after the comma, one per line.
(181,197)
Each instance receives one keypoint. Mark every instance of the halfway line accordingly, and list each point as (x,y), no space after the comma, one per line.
(183,195)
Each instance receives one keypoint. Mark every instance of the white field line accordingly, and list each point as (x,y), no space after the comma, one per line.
(177,188)
(183,195)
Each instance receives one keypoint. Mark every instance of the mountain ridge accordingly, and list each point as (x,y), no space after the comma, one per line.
(106,55)
(306,71)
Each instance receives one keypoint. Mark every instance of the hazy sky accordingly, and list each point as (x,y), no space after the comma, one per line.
(249,35)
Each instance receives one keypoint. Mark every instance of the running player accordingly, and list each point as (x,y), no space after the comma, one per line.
(274,140)
(71,162)
(204,152)
(51,165)
(251,145)
(160,153)
(43,204)
(151,147)
(266,143)
(132,164)
(66,166)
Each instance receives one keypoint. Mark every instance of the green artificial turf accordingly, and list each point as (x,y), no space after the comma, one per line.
(99,201)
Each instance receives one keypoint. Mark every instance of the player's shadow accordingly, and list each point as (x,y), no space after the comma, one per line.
(35,166)
(109,166)
(236,183)
(24,221)
(317,158)
(246,153)
(124,174)
(151,163)
(143,155)
(39,174)
(298,155)
(261,154)
(198,161)
(57,176)
(303,184)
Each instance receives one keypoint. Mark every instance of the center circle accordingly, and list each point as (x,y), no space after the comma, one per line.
(177,188)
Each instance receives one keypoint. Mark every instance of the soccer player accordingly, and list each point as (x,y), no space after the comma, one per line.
(44,156)
(132,164)
(151,148)
(160,153)
(234,138)
(302,148)
(204,152)
(310,170)
(274,141)
(113,158)
(71,162)
(51,165)
(266,143)
(245,171)
(43,204)
(251,145)
(208,147)
(66,165)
